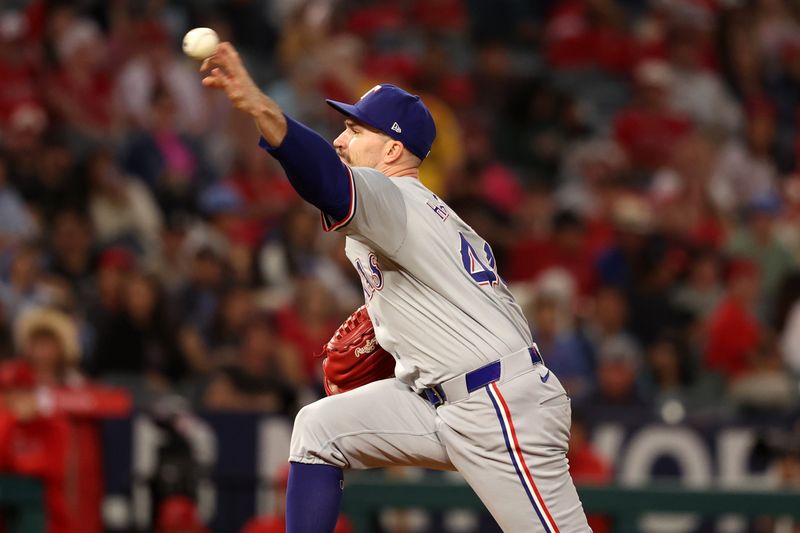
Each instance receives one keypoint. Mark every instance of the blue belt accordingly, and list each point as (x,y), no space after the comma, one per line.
(476,379)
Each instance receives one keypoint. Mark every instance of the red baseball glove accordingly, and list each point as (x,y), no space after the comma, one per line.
(353,356)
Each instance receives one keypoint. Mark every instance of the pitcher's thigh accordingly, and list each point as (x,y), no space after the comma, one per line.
(380,424)
(512,451)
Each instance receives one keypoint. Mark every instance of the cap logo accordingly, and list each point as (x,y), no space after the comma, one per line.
(396,127)
(374,89)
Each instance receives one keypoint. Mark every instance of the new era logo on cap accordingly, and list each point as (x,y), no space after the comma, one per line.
(385,107)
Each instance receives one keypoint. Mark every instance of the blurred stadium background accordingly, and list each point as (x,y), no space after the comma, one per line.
(163,291)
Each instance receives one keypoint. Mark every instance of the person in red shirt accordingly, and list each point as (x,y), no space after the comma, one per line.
(308,324)
(566,248)
(581,34)
(648,129)
(33,443)
(19,69)
(47,340)
(733,331)
(79,90)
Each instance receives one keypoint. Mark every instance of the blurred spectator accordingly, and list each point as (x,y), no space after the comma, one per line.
(198,299)
(670,367)
(696,90)
(47,340)
(734,332)
(702,290)
(178,514)
(236,309)
(169,160)
(756,241)
(172,265)
(537,126)
(621,263)
(744,170)
(71,253)
(295,251)
(308,324)
(79,89)
(564,351)
(18,67)
(22,286)
(226,223)
(566,248)
(487,174)
(649,129)
(157,68)
(299,94)
(679,193)
(582,34)
(139,339)
(122,209)
(261,378)
(607,316)
(592,173)
(650,299)
(113,267)
(45,174)
(35,444)
(619,360)
(743,61)
(264,190)
(16,222)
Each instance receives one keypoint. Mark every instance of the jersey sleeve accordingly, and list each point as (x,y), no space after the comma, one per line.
(377,210)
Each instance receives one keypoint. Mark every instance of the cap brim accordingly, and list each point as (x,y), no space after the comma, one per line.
(349,110)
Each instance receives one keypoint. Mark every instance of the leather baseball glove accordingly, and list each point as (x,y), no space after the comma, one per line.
(353,356)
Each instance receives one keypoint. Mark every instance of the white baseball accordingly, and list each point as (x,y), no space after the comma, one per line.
(200,43)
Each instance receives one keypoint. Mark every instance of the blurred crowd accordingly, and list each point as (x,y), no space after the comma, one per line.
(635,165)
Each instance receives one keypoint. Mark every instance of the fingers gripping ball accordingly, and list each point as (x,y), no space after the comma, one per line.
(353,356)
(200,43)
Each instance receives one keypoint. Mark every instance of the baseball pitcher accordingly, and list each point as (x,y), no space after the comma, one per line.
(469,390)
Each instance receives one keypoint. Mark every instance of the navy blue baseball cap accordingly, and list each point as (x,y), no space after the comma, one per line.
(397,113)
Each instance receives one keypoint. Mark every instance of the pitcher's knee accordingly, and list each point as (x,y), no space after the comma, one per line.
(312,438)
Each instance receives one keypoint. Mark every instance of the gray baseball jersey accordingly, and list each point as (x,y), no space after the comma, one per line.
(439,306)
(430,282)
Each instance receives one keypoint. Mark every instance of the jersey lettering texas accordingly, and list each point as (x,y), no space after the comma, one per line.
(371,280)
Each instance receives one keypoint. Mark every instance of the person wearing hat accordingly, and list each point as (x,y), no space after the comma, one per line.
(33,442)
(47,342)
(470,385)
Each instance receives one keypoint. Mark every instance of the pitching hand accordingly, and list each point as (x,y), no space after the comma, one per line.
(224,70)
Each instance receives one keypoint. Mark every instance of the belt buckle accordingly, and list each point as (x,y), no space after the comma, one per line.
(435,395)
